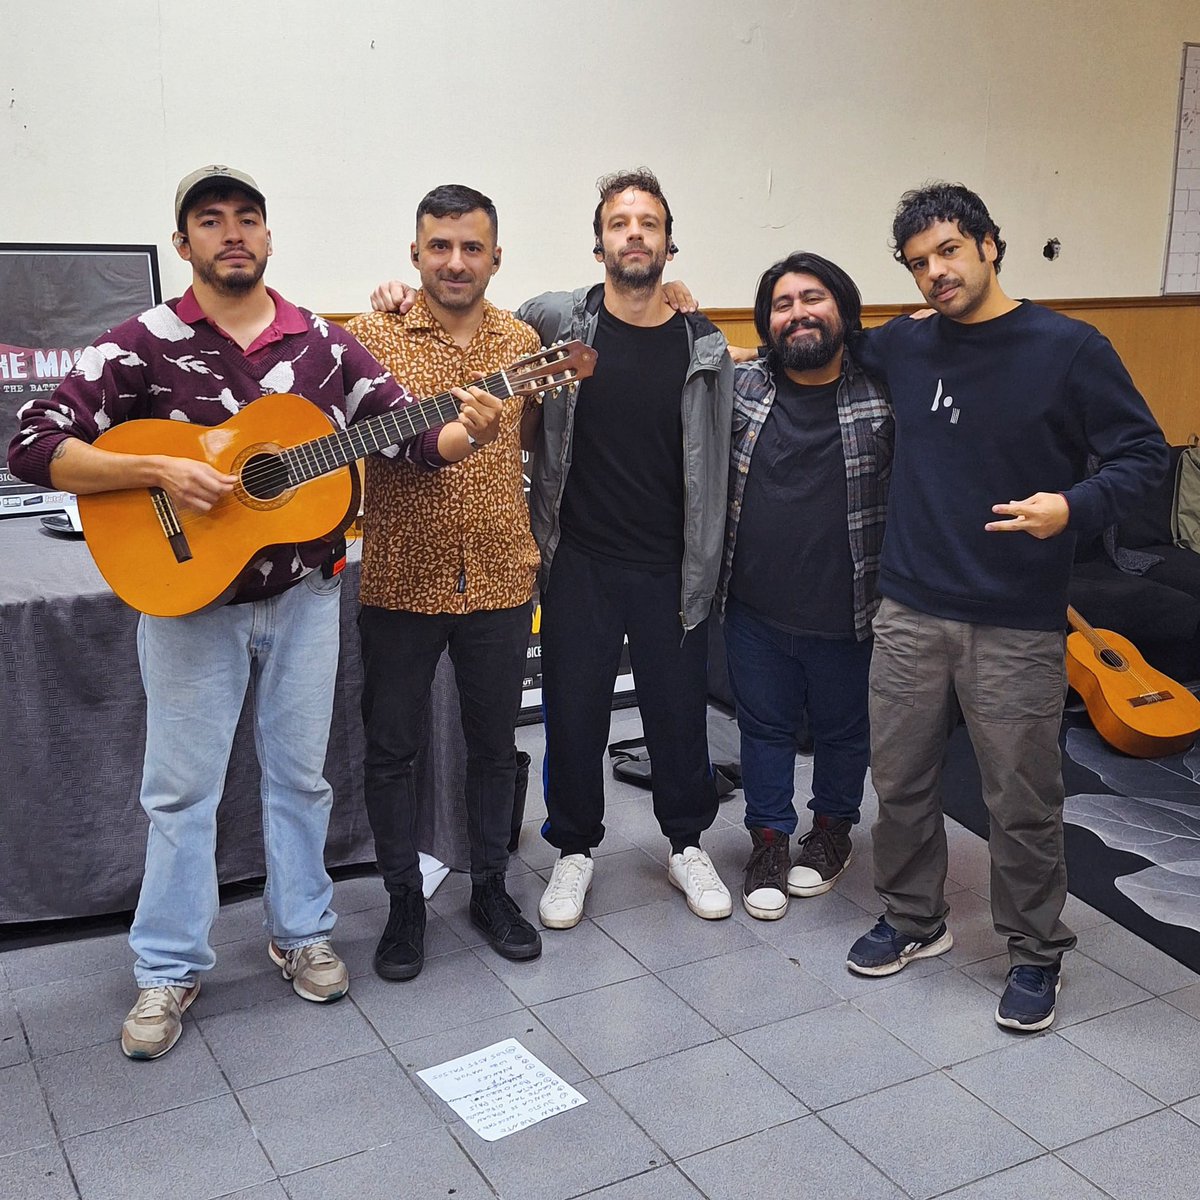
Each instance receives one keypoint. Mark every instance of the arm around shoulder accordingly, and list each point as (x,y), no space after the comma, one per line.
(549,314)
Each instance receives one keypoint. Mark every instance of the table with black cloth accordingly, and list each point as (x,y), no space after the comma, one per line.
(72,735)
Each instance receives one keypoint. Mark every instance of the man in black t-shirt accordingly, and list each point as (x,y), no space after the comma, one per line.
(628,507)
(809,467)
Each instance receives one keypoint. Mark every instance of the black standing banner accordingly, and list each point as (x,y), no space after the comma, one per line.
(54,301)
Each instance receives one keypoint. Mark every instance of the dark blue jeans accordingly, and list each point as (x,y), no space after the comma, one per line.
(774,675)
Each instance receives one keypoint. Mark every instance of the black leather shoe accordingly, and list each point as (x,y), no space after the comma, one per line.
(401,951)
(496,915)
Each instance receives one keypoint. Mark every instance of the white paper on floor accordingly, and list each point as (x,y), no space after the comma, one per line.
(433,872)
(501,1089)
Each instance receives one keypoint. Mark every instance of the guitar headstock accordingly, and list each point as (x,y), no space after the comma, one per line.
(551,368)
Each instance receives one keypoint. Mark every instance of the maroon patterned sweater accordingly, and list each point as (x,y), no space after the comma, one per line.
(158,365)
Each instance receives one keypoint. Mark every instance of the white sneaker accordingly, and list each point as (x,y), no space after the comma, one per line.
(694,875)
(561,906)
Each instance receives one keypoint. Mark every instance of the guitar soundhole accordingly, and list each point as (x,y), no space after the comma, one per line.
(1110,658)
(265,476)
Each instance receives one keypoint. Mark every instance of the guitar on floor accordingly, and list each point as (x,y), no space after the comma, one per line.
(1134,708)
(296,483)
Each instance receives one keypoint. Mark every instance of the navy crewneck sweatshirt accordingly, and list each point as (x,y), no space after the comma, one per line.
(993,412)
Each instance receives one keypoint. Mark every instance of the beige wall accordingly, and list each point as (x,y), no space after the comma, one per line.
(774,124)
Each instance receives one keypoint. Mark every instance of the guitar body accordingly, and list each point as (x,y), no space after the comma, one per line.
(1117,697)
(126,536)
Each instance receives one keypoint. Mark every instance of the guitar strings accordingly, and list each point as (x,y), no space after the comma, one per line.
(261,473)
(1100,645)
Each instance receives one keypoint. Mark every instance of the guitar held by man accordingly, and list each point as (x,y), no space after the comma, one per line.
(294,483)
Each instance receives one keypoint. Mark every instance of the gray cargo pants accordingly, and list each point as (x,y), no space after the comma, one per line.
(1009,684)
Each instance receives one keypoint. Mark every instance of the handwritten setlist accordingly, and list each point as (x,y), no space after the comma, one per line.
(501,1089)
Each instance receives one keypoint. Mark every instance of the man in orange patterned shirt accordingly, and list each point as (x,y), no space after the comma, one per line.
(448,561)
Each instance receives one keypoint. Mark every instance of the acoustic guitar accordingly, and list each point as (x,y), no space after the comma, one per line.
(295,483)
(1133,707)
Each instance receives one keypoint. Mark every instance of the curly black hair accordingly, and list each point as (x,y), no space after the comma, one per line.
(922,207)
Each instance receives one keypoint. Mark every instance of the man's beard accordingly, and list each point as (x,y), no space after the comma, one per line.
(642,276)
(236,284)
(808,353)
(455,302)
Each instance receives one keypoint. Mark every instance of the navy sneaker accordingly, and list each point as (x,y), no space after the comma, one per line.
(885,950)
(1028,1000)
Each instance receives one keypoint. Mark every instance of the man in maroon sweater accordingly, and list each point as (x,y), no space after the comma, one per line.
(229,340)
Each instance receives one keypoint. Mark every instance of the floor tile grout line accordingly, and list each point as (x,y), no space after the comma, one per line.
(1128,978)
(1033,1137)
(59,1140)
(855,1150)
(751,1028)
(853,1001)
(1060,1033)
(1112,1129)
(478,1167)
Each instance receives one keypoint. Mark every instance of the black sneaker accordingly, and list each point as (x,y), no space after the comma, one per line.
(1028,1000)
(765,889)
(496,915)
(824,855)
(885,950)
(401,951)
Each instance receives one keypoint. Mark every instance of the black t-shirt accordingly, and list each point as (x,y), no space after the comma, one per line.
(792,563)
(624,497)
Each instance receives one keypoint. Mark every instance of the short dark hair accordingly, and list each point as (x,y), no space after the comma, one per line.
(841,287)
(642,179)
(455,200)
(922,207)
(216,195)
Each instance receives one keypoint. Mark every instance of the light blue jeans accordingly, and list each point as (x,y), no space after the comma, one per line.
(195,670)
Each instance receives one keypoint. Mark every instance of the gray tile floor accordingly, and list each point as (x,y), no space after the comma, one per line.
(729,1060)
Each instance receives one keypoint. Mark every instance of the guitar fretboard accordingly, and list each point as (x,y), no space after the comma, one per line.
(322,455)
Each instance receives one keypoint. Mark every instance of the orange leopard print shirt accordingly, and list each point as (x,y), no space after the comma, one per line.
(455,540)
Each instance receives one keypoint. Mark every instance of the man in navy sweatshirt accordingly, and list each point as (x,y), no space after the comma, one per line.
(998,405)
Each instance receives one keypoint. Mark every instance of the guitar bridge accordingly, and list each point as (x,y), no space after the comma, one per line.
(1150,698)
(171,527)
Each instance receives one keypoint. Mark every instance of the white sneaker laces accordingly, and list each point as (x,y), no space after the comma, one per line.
(702,875)
(564,880)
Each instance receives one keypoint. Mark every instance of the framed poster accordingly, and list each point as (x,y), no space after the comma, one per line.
(54,301)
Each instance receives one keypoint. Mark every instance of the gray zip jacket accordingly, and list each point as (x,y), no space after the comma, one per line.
(707,409)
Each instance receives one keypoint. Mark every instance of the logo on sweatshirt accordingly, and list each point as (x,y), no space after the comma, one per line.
(944,401)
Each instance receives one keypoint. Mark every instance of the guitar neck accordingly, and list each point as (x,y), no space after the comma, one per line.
(312,459)
(1076,621)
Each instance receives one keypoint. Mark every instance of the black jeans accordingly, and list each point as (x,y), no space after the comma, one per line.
(400,652)
(588,608)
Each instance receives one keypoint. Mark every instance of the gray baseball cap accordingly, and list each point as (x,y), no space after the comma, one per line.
(216,175)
